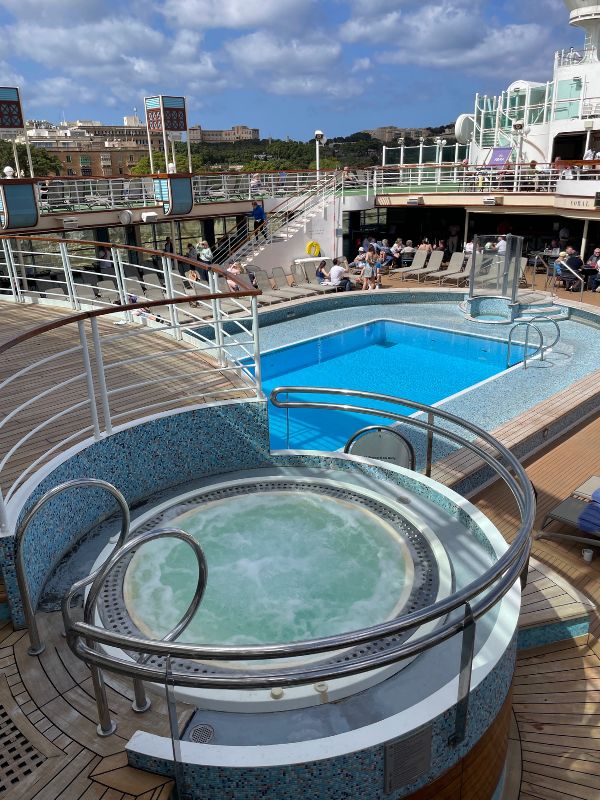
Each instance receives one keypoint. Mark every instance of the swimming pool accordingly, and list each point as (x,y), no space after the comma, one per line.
(401,359)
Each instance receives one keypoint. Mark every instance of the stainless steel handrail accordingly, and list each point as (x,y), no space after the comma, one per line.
(36,646)
(542,318)
(140,704)
(486,591)
(528,325)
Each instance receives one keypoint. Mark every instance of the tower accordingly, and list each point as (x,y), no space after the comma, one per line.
(586,14)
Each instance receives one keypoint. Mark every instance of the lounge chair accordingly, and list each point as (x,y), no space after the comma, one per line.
(282,285)
(417,264)
(269,295)
(569,512)
(433,265)
(459,271)
(309,281)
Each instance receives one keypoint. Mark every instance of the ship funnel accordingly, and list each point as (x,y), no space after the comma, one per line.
(586,14)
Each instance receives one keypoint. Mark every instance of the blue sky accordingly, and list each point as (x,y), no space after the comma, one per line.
(284,66)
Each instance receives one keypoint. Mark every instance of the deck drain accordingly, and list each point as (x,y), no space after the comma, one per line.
(202,734)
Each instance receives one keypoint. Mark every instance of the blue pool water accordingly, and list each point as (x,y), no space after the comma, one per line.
(419,363)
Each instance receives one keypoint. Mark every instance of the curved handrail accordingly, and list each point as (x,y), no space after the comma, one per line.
(486,590)
(97,579)
(188,262)
(542,318)
(36,645)
(528,325)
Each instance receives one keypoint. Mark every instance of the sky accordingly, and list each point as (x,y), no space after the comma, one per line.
(287,67)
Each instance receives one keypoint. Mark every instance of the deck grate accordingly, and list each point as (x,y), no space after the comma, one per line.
(202,734)
(18,758)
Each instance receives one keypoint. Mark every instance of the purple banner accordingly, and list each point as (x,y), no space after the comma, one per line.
(500,156)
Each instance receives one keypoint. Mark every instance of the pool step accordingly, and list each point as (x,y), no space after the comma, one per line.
(551,609)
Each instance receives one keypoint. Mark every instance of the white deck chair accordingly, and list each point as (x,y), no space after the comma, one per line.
(418,263)
(458,275)
(433,265)
(454,265)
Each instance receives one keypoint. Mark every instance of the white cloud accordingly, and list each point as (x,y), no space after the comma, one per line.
(361,65)
(265,52)
(205,14)
(9,77)
(58,93)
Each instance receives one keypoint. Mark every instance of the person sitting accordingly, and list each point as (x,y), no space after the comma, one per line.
(338,277)
(592,269)
(321,273)
(561,271)
(575,263)
(408,248)
(235,268)
(360,258)
(425,245)
(397,249)
(386,251)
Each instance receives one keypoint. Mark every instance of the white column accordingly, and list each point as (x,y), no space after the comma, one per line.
(383,156)
(586,228)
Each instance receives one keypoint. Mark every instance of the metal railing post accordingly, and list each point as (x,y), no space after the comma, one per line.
(12,273)
(429,456)
(174,727)
(89,379)
(256,347)
(69,280)
(141,703)
(101,375)
(106,726)
(216,309)
(464,677)
(3,516)
(166,265)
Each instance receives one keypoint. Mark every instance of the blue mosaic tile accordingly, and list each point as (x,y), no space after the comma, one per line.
(557,632)
(354,775)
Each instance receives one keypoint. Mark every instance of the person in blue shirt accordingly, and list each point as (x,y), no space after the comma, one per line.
(260,220)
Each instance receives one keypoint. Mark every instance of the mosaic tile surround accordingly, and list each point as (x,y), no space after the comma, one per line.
(143,460)
(359,774)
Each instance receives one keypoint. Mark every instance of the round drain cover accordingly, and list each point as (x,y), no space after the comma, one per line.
(202,734)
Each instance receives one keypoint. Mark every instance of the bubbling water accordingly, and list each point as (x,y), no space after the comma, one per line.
(282,567)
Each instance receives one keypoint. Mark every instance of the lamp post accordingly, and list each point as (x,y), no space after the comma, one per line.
(401,144)
(421,143)
(440,144)
(320,140)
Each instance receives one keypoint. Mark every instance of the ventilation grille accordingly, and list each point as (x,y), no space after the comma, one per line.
(18,758)
(407,759)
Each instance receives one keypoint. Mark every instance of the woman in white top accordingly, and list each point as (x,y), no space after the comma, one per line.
(204,252)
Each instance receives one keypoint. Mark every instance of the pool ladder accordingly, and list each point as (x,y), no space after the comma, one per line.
(543,347)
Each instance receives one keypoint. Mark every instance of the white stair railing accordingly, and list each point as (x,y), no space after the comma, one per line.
(282,223)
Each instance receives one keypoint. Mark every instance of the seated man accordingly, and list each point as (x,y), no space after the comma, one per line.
(338,277)
(592,270)
(575,263)
(360,258)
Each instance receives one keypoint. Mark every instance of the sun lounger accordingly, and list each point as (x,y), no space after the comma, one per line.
(282,284)
(309,281)
(264,284)
(418,263)
(569,512)
(460,272)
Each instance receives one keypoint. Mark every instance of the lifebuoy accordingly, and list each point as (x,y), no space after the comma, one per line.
(313,249)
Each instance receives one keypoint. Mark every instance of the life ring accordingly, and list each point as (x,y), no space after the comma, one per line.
(313,249)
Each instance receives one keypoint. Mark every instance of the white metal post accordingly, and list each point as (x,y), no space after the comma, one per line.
(166,263)
(89,379)
(69,280)
(101,375)
(12,273)
(256,347)
(586,228)
(216,308)
(383,157)
(317,158)
(402,155)
(3,516)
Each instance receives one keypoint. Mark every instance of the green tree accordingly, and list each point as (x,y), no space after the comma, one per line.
(44,163)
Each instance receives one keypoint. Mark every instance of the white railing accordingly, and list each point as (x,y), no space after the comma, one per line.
(98,194)
(80,376)
(459,178)
(285,220)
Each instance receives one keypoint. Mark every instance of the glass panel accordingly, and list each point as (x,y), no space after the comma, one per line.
(496,267)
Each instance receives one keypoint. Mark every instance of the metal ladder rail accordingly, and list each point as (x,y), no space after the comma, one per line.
(542,318)
(528,325)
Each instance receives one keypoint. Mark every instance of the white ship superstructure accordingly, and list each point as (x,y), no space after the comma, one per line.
(545,121)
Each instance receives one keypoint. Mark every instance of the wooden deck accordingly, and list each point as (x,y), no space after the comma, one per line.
(178,379)
(48,713)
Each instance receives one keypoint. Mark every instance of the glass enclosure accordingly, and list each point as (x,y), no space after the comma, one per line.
(497,266)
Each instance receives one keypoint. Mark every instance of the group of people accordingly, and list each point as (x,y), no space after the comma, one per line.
(569,268)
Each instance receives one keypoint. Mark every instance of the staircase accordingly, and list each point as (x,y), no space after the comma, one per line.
(536,303)
(288,219)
